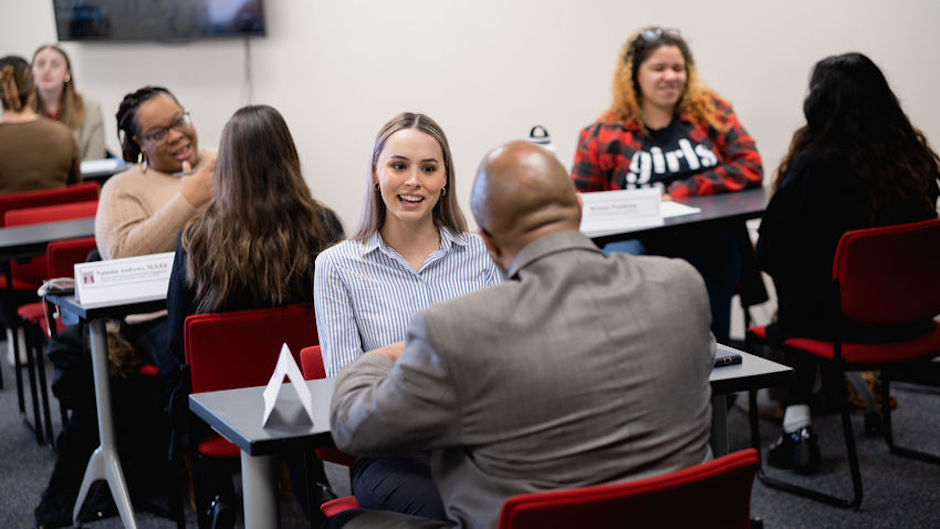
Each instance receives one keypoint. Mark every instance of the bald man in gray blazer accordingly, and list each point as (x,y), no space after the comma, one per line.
(580,369)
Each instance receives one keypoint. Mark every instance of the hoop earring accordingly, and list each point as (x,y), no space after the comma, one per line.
(376,186)
(142,162)
(443,191)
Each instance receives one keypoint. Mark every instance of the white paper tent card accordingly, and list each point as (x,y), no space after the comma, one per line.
(606,212)
(286,366)
(143,277)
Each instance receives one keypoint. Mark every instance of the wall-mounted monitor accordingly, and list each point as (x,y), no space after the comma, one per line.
(157,20)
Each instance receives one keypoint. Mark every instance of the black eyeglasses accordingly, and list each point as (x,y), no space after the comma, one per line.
(654,34)
(159,135)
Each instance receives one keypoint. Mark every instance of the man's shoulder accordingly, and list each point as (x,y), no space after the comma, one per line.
(655,266)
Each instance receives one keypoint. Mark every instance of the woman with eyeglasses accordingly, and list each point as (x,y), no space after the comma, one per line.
(143,209)
(665,128)
(858,162)
(58,100)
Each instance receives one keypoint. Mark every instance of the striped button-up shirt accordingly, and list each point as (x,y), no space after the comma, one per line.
(366,293)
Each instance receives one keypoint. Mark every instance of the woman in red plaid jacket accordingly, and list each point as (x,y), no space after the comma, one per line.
(666,128)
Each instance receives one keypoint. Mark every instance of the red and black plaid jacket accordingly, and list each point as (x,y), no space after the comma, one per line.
(606,148)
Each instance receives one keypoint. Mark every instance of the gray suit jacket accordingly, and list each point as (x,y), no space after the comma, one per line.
(582,369)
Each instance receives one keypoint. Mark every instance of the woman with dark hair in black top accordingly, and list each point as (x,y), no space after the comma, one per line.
(857,163)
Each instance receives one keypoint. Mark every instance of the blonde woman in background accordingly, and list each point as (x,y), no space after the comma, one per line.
(58,99)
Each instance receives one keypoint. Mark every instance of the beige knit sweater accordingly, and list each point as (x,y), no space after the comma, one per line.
(141,212)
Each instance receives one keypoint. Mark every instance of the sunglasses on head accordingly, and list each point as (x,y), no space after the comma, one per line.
(656,33)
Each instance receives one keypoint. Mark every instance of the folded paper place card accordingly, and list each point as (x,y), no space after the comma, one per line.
(610,212)
(121,280)
(103,165)
(286,366)
(671,208)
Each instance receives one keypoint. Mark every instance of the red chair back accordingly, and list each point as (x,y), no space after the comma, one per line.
(61,256)
(86,191)
(228,350)
(311,363)
(890,275)
(35,271)
(713,494)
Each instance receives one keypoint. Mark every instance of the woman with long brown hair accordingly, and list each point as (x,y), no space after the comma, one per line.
(256,242)
(59,100)
(411,250)
(857,163)
(253,247)
(665,128)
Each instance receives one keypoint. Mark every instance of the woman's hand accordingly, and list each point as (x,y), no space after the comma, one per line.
(196,186)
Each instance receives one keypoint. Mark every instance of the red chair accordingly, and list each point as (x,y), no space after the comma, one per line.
(714,494)
(48,197)
(229,350)
(32,316)
(887,277)
(311,362)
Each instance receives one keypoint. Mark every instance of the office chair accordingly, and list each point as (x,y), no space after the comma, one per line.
(229,350)
(715,494)
(32,316)
(12,290)
(888,278)
(311,361)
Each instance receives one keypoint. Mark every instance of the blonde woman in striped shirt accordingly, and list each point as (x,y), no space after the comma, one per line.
(411,250)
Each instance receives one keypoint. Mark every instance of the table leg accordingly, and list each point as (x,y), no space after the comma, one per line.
(259,487)
(104,462)
(719,430)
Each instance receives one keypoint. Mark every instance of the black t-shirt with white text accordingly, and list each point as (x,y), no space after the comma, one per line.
(667,155)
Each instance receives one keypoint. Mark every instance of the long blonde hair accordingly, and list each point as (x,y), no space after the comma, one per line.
(446,212)
(697,99)
(72,105)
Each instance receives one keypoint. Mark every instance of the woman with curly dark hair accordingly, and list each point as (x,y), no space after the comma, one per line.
(665,128)
(857,163)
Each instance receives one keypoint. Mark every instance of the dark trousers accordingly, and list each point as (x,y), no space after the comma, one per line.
(402,484)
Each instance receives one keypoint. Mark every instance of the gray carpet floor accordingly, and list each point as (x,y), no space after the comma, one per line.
(898,492)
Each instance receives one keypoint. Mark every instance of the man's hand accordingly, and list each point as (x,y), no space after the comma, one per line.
(392,351)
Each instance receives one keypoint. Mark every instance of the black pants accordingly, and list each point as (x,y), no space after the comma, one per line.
(402,484)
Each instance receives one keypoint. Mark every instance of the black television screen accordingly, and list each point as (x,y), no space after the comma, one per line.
(162,20)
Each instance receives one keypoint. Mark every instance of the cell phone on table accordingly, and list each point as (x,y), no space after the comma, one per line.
(724,357)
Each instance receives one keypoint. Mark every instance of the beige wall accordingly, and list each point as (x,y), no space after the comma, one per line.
(487,70)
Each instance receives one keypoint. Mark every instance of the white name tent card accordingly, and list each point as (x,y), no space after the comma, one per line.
(102,165)
(612,212)
(671,208)
(120,280)
(617,211)
(286,366)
